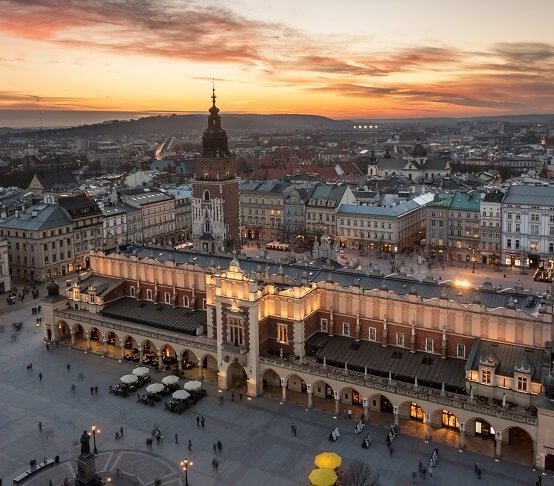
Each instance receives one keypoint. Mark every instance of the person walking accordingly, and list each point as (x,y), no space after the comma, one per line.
(40,427)
(68,367)
(216,465)
(202,421)
(121,430)
(73,388)
(96,389)
(40,377)
(219,446)
(190,445)
(176,437)
(91,391)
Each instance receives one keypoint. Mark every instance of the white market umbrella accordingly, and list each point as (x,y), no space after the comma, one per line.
(181,395)
(192,385)
(170,379)
(155,388)
(141,371)
(128,379)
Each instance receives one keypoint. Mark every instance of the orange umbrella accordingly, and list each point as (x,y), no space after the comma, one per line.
(328,460)
(323,477)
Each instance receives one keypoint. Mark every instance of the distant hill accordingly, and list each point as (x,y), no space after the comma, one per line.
(182,124)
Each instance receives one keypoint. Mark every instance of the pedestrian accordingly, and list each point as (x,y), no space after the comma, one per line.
(31,366)
(539,480)
(216,465)
(68,367)
(213,464)
(197,421)
(73,388)
(190,445)
(478,473)
(40,427)
(176,437)
(121,431)
(475,467)
(40,377)
(240,397)
(91,390)
(202,420)
(96,389)
(219,446)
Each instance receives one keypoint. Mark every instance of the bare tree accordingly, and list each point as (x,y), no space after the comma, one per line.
(359,473)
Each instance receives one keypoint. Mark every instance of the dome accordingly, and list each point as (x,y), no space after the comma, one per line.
(53,288)
(549,386)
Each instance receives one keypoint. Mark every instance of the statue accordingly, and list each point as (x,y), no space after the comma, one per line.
(85,443)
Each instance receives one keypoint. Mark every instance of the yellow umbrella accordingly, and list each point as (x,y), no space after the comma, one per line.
(323,477)
(328,460)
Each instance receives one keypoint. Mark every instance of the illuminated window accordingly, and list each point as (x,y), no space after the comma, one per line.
(282,333)
(346,328)
(429,345)
(132,291)
(324,326)
(372,334)
(400,339)
(148,294)
(235,333)
(521,383)
(167,298)
(486,377)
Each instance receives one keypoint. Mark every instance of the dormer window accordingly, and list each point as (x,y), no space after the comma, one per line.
(522,384)
(486,377)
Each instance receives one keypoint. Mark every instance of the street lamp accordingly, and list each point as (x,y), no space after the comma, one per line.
(185,465)
(93,432)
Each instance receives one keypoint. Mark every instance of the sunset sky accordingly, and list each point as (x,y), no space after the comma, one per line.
(346,59)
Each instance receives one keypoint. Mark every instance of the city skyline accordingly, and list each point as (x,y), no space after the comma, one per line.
(367,60)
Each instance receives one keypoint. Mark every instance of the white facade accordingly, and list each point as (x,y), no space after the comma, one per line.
(5,278)
(208,218)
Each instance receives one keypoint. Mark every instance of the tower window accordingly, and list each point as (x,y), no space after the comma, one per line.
(207,226)
(206,195)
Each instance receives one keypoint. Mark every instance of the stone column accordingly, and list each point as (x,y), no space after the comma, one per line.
(87,335)
(200,369)
(498,445)
(462,435)
(396,415)
(310,395)
(428,432)
(180,363)
(72,335)
(141,353)
(365,404)
(105,343)
(337,402)
(122,349)
(160,362)
(283,390)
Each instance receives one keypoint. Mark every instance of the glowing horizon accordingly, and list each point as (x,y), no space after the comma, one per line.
(362,61)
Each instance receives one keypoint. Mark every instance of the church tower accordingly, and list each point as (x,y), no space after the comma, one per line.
(215,191)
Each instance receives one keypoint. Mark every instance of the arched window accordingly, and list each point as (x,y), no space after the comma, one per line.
(206,195)
(207,226)
(132,291)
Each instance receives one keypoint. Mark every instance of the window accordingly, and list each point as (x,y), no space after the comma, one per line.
(486,377)
(207,226)
(346,329)
(282,333)
(534,229)
(508,243)
(204,304)
(185,300)
(521,383)
(534,217)
(372,334)
(400,339)
(91,298)
(461,351)
(148,294)
(132,291)
(429,345)
(235,332)
(167,298)
(324,325)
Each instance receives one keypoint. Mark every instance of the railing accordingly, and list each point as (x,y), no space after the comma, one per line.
(201,342)
(456,400)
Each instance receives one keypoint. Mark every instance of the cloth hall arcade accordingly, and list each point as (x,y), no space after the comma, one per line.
(474,361)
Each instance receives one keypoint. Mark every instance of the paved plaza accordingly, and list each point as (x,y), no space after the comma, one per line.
(258,447)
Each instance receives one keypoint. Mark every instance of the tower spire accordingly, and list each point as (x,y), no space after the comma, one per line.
(213,91)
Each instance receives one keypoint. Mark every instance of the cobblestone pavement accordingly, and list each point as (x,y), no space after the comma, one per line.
(258,447)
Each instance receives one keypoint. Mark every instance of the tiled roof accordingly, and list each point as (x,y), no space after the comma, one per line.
(162,316)
(530,195)
(429,369)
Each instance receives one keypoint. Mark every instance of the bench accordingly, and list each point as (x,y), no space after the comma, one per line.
(30,472)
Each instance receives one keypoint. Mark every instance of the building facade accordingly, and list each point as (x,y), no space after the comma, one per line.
(5,276)
(491,228)
(424,352)
(464,230)
(322,207)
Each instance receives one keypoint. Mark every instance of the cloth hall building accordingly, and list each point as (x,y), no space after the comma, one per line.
(475,361)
